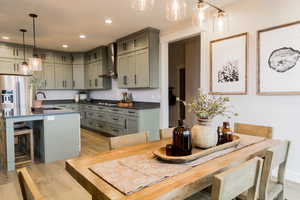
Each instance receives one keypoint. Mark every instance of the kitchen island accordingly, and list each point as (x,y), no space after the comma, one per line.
(56,134)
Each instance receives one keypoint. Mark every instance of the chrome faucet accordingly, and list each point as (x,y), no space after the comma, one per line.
(42,93)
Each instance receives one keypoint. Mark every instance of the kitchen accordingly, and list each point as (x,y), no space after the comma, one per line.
(94,92)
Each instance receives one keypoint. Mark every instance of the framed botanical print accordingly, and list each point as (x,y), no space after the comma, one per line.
(228,65)
(278,60)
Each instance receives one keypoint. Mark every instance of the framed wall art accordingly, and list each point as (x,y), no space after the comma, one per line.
(228,65)
(278,54)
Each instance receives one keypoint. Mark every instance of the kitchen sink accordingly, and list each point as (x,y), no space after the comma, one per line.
(45,108)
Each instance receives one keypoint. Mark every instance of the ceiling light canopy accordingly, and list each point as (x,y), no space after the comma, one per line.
(108,21)
(5,38)
(142,5)
(35,63)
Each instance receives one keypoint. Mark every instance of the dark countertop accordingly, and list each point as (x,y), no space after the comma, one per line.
(136,105)
(39,113)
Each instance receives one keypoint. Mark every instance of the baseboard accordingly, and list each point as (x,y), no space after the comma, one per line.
(292,176)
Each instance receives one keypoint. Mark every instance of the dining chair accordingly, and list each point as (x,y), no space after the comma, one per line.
(166,133)
(128,140)
(254,130)
(28,188)
(226,185)
(275,157)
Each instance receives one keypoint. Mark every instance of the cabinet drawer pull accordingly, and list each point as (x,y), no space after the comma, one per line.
(131,112)
(100,115)
(116,119)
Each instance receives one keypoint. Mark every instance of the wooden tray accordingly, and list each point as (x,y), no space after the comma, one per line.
(196,152)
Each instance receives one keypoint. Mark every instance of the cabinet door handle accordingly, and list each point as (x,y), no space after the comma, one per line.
(125,123)
(14,52)
(96,82)
(135,81)
(17,52)
(115,119)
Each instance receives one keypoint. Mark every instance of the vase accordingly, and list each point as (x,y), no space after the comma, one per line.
(204,135)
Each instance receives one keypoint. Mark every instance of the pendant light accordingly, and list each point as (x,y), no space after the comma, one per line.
(199,14)
(176,10)
(24,66)
(220,22)
(35,63)
(142,5)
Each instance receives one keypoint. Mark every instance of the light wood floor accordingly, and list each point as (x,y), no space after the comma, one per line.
(56,184)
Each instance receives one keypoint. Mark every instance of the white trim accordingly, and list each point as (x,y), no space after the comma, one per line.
(292,176)
(164,69)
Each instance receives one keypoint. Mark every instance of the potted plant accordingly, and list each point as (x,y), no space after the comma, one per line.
(206,107)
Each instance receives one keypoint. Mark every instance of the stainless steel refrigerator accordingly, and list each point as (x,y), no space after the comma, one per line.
(16,97)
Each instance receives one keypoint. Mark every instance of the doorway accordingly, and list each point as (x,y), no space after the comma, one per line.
(184,77)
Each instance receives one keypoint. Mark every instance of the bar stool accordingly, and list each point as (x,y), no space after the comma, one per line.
(24,149)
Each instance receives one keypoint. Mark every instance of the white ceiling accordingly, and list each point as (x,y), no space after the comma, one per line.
(62,21)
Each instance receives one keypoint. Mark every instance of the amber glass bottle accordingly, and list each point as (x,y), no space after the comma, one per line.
(227,132)
(182,140)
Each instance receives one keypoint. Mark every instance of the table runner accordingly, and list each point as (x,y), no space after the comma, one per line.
(131,174)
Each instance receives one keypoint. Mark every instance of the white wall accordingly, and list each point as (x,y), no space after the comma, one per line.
(146,95)
(280,112)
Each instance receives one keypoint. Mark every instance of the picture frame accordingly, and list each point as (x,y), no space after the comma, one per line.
(278,55)
(229,65)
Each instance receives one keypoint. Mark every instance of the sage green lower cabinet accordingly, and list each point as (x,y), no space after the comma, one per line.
(61,137)
(119,121)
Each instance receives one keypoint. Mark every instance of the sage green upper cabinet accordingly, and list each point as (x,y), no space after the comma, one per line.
(138,60)
(63,76)
(49,75)
(96,69)
(9,66)
(78,71)
(142,69)
(63,58)
(11,51)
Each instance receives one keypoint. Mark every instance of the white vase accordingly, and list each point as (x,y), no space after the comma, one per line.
(204,135)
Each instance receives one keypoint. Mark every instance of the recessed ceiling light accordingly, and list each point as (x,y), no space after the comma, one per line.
(5,38)
(65,46)
(82,36)
(108,21)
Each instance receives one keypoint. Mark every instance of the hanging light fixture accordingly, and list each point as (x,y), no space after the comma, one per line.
(175,10)
(142,5)
(220,22)
(199,14)
(24,66)
(35,63)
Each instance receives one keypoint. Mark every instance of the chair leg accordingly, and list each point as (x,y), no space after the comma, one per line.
(280,196)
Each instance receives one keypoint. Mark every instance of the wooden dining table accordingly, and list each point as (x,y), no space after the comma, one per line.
(180,186)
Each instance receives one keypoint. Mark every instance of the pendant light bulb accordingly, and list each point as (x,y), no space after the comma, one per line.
(35,63)
(199,14)
(142,5)
(220,22)
(24,69)
(176,10)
